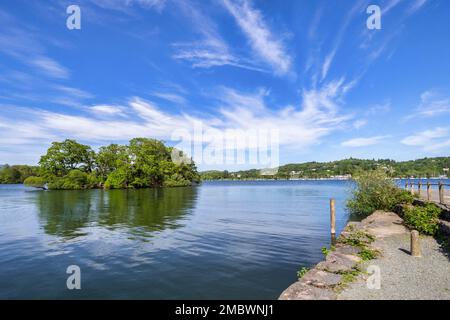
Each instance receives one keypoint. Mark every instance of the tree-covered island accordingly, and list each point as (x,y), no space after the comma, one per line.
(143,163)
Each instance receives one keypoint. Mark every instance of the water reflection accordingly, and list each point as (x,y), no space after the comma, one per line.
(69,213)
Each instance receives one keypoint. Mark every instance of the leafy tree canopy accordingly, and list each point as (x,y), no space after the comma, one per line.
(140,164)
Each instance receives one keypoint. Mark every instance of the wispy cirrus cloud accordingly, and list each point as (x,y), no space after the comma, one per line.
(50,67)
(169,96)
(262,40)
(329,58)
(379,109)
(437,139)
(24,46)
(107,110)
(363,142)
(210,50)
(125,5)
(432,103)
(299,126)
(416,6)
(358,124)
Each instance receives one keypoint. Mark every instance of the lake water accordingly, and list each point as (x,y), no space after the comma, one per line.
(219,240)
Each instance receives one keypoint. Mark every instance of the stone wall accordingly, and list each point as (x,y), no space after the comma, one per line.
(342,263)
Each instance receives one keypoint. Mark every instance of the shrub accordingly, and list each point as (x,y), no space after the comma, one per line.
(302,272)
(375,191)
(93,181)
(37,182)
(176,180)
(117,179)
(74,180)
(423,219)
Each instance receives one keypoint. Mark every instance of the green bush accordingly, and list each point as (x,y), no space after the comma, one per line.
(37,182)
(176,180)
(423,219)
(375,191)
(74,180)
(117,179)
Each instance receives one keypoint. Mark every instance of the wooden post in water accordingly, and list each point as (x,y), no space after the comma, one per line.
(415,244)
(412,187)
(441,192)
(428,191)
(333,217)
(420,187)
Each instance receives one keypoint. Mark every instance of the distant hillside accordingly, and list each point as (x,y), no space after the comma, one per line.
(427,167)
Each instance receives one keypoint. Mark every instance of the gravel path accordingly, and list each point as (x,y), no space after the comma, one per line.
(403,276)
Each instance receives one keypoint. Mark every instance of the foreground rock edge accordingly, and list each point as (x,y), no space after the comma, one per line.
(327,278)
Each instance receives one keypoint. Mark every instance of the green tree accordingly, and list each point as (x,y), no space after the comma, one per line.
(111,158)
(65,156)
(149,158)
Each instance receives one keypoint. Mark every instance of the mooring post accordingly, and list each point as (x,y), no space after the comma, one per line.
(333,216)
(415,244)
(441,192)
(428,191)
(419,186)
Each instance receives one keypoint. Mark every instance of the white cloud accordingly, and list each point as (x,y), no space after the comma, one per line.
(25,46)
(106,110)
(358,124)
(263,41)
(50,67)
(428,139)
(389,6)
(124,5)
(417,5)
(432,104)
(299,127)
(172,97)
(74,92)
(327,63)
(379,109)
(211,50)
(363,142)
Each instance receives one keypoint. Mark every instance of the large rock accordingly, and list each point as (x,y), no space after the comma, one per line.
(347,249)
(303,291)
(321,279)
(383,224)
(339,263)
(444,227)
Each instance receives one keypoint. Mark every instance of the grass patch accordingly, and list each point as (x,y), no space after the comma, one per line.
(347,278)
(367,254)
(326,251)
(358,239)
(302,272)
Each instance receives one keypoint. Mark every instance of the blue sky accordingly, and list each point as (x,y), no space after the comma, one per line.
(311,69)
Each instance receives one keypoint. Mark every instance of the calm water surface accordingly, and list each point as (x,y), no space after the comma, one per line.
(220,240)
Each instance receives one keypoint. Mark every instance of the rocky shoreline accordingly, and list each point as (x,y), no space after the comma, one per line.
(346,263)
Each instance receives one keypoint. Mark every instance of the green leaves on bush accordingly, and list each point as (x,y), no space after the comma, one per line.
(423,219)
(37,182)
(302,272)
(375,191)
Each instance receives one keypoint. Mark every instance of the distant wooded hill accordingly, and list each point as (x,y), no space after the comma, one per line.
(427,167)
